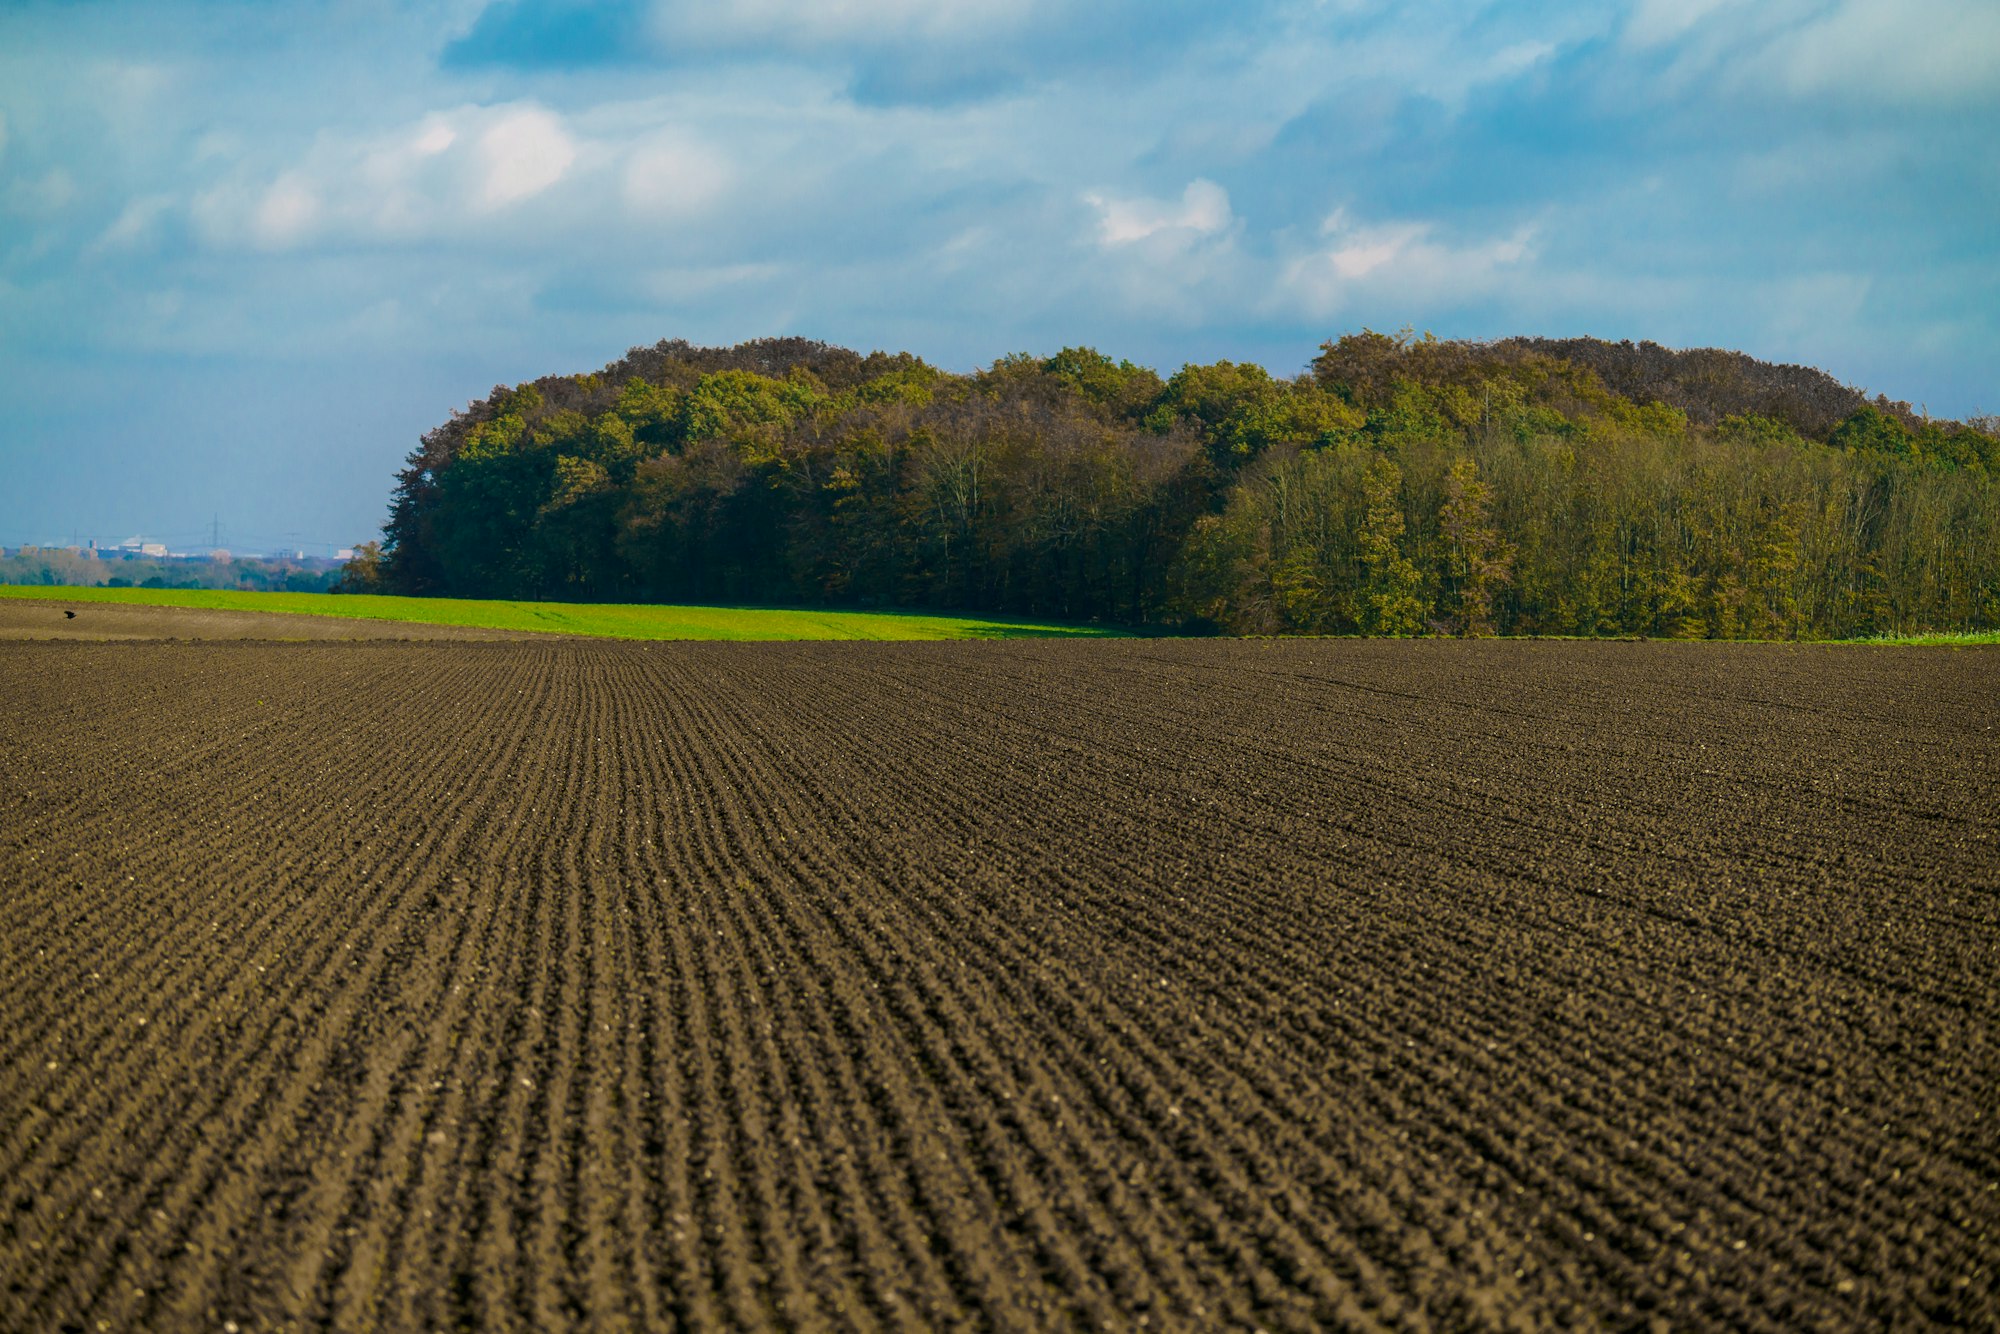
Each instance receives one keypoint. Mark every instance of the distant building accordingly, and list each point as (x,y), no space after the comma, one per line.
(155,549)
(220,554)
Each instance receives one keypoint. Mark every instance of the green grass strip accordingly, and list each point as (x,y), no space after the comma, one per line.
(1942,638)
(609,621)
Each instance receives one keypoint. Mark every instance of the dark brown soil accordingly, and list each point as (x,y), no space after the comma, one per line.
(38,618)
(1294,985)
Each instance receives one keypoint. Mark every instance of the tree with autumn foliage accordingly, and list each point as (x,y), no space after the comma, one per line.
(1402,485)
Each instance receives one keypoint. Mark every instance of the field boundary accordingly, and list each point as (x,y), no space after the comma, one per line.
(637,621)
(656,622)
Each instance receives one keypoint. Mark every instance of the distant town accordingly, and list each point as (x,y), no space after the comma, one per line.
(135,547)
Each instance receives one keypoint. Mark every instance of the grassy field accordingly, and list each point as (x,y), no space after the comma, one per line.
(1944,639)
(604,621)
(627,621)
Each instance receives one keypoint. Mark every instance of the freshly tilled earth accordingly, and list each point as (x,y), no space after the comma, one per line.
(1289,985)
(50,618)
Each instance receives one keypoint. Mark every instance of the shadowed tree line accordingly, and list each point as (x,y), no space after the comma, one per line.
(1402,485)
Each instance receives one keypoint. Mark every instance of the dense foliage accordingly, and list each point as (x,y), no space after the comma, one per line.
(1401,486)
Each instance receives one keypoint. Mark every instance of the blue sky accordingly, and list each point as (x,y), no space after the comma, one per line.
(250,251)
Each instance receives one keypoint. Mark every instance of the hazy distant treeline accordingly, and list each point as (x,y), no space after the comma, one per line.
(79,569)
(1400,486)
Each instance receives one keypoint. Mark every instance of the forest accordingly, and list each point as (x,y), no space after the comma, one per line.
(1400,485)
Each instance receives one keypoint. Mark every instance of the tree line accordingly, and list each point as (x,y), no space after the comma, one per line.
(77,567)
(1401,485)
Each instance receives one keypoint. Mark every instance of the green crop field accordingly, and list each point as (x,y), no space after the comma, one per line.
(613,621)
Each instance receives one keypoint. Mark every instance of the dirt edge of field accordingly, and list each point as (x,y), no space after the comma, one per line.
(36,618)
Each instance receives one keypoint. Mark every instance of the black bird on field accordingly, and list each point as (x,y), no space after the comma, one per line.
(68,615)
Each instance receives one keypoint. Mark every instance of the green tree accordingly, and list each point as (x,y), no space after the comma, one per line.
(1495,487)
(1119,388)
(1393,601)
(1869,430)
(1477,562)
(365,573)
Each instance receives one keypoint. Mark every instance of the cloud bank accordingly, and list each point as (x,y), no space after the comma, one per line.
(491,190)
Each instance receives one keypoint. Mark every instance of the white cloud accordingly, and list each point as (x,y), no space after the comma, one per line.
(1658,22)
(520,155)
(795,23)
(1517,59)
(448,173)
(670,174)
(1202,210)
(1173,262)
(217,146)
(134,223)
(1445,52)
(432,138)
(1919,50)
(285,214)
(402,178)
(1815,164)
(42,196)
(1898,51)
(1403,261)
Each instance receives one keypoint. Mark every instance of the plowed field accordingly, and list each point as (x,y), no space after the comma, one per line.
(544,985)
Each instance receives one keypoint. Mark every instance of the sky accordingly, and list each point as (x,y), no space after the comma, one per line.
(250,251)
